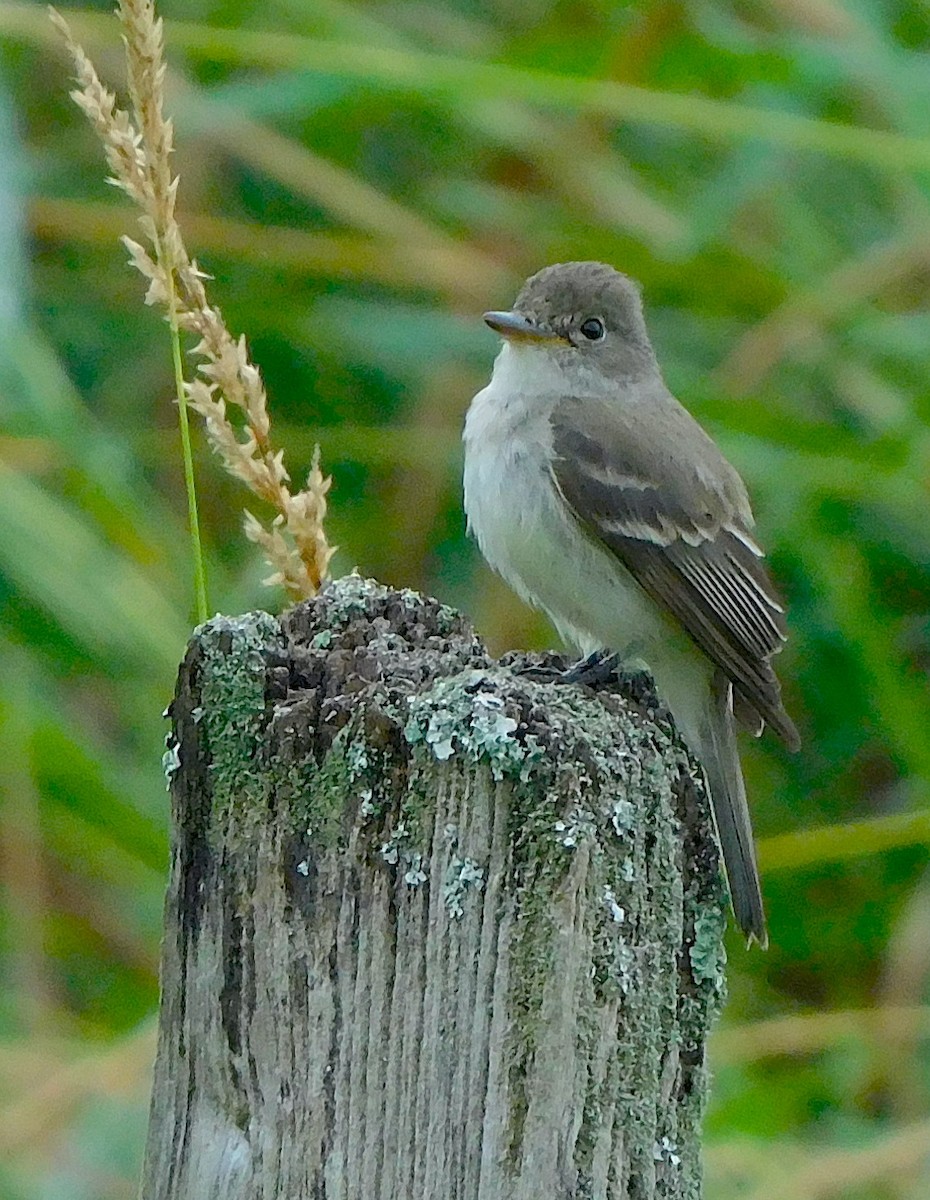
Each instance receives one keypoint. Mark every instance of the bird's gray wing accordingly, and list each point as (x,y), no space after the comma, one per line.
(675,514)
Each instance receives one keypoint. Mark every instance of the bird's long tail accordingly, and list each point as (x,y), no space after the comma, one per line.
(720,760)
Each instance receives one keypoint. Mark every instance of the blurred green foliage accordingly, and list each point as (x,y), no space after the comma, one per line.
(362,180)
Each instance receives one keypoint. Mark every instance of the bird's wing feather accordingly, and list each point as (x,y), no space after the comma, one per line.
(686,539)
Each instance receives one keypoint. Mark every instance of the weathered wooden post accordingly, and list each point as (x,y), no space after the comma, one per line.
(435,930)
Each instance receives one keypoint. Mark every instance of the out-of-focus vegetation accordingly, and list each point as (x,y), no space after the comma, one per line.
(362,180)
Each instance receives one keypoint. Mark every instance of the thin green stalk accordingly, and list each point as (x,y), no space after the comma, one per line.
(200,577)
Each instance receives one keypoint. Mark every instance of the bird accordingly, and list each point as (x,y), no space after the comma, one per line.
(602,502)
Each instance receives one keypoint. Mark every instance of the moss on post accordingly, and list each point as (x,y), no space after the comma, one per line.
(433,928)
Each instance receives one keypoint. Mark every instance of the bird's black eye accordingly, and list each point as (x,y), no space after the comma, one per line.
(592,328)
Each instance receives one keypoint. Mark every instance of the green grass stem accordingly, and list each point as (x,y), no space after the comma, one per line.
(838,843)
(448,76)
(193,518)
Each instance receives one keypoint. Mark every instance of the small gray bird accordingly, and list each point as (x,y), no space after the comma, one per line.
(601,501)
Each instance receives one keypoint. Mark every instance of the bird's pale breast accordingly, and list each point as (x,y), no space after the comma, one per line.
(528,534)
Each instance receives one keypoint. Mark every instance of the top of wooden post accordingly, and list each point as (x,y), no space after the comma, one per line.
(389,848)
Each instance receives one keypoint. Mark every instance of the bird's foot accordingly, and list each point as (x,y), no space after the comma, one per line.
(599,670)
(599,667)
(542,674)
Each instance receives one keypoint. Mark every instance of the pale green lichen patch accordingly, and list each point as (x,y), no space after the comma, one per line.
(622,816)
(414,874)
(665,1151)
(462,875)
(396,846)
(464,713)
(616,910)
(318,795)
(351,596)
(346,598)
(171,759)
(579,824)
(235,651)
(708,954)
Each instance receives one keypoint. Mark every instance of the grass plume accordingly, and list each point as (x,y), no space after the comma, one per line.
(138,146)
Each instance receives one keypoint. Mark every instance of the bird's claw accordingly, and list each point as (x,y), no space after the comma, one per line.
(598,668)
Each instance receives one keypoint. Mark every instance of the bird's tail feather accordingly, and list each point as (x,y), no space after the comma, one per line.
(720,759)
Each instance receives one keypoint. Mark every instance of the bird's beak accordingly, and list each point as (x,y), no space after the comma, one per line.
(516,328)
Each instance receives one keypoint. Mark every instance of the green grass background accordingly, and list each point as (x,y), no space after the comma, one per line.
(362,180)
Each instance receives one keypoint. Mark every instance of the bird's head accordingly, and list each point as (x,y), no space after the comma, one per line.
(583,313)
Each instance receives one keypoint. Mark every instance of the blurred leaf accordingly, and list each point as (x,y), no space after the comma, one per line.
(107,604)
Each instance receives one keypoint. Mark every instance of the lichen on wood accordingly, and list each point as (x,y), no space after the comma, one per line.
(434,928)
